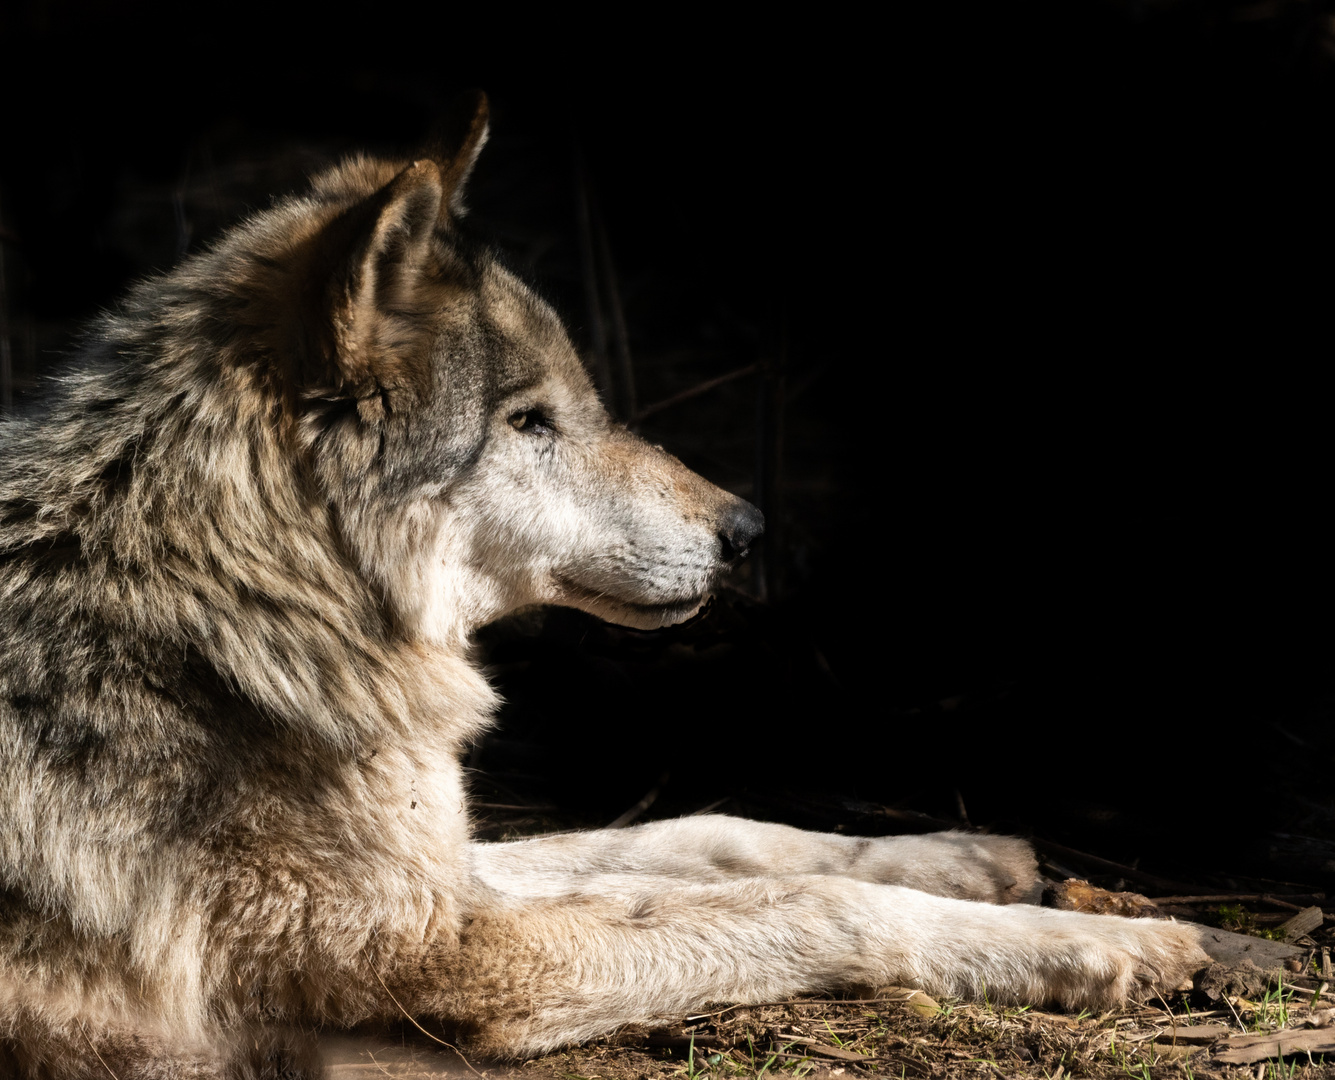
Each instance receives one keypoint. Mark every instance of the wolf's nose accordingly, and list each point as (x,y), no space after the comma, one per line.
(741,524)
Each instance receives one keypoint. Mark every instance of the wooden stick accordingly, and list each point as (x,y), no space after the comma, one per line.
(418,1026)
(1294,901)
(696,390)
(95,1053)
(641,806)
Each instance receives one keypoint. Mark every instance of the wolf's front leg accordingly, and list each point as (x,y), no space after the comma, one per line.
(527,977)
(994,869)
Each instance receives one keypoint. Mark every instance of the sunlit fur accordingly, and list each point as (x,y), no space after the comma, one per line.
(241,557)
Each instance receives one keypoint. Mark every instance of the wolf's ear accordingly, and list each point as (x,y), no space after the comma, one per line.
(456,142)
(376,302)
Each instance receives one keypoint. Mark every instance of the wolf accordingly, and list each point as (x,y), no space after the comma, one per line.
(243,553)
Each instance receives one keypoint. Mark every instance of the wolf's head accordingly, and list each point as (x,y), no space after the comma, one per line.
(449,422)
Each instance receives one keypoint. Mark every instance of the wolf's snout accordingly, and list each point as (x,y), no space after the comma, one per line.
(740,526)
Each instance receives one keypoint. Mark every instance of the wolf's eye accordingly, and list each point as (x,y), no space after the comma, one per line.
(531,421)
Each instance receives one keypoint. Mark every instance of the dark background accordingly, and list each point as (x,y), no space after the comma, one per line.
(1035,304)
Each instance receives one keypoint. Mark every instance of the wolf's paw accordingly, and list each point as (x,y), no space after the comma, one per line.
(1129,960)
(966,866)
